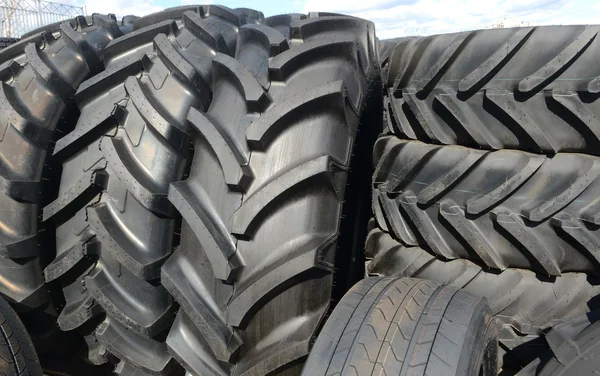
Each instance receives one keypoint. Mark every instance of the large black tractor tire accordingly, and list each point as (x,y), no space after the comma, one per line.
(502,209)
(406,326)
(574,349)
(39,76)
(528,88)
(17,354)
(207,114)
(525,304)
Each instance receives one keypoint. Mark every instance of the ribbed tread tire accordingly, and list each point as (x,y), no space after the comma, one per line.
(39,76)
(503,209)
(406,326)
(574,349)
(527,88)
(262,205)
(114,224)
(17,354)
(525,305)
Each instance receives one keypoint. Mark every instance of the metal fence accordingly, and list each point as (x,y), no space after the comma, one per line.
(20,16)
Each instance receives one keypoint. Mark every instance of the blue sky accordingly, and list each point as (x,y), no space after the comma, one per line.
(395,18)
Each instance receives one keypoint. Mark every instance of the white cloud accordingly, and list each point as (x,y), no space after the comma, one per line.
(424,17)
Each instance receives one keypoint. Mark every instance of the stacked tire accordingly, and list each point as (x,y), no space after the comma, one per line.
(488,176)
(177,193)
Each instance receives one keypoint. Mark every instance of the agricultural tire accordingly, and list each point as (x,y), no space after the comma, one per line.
(17,354)
(526,88)
(40,74)
(574,349)
(406,326)
(525,304)
(201,190)
(5,42)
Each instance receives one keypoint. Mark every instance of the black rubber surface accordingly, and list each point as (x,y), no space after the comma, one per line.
(525,304)
(114,224)
(503,209)
(39,76)
(17,354)
(268,126)
(528,88)
(265,192)
(5,42)
(406,326)
(574,349)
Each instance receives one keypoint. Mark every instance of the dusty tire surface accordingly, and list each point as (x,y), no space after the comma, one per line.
(17,354)
(524,304)
(502,209)
(529,88)
(202,186)
(574,349)
(406,326)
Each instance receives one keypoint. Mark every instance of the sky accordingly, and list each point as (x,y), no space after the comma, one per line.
(396,18)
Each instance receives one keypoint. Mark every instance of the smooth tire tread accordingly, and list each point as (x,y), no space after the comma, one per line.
(17,353)
(405,326)
(264,194)
(525,305)
(40,74)
(114,225)
(483,89)
(503,209)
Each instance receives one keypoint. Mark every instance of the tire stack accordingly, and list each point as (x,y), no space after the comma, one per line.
(178,194)
(488,177)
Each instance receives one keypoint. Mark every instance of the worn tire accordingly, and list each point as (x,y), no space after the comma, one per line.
(406,326)
(528,88)
(574,349)
(126,179)
(40,74)
(17,354)
(525,304)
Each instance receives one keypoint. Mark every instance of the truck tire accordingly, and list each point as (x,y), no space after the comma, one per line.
(502,209)
(525,304)
(40,74)
(527,88)
(17,354)
(574,349)
(153,298)
(406,326)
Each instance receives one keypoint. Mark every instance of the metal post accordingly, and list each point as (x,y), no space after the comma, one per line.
(39,13)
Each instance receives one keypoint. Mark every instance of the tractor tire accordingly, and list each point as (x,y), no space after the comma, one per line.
(574,349)
(406,326)
(208,115)
(17,354)
(528,88)
(525,304)
(502,209)
(39,76)
(5,42)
